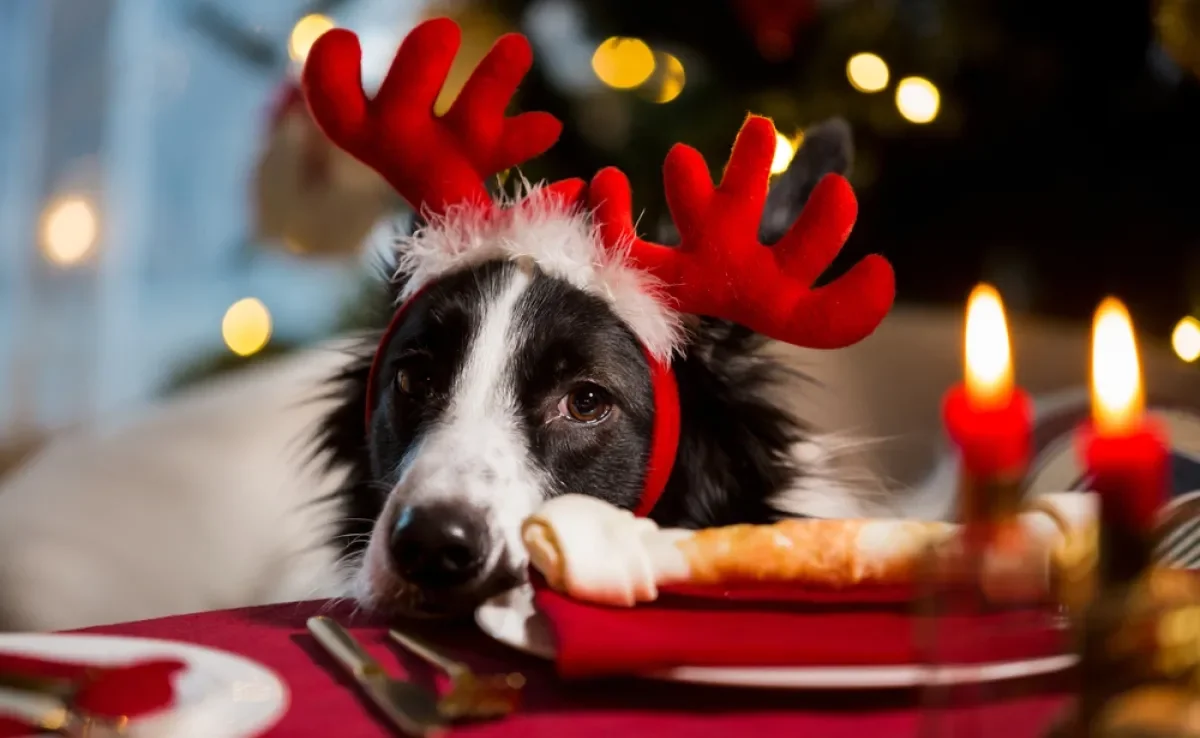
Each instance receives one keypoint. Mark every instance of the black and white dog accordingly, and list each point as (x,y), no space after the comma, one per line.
(505,386)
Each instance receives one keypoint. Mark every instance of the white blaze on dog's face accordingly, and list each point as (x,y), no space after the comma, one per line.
(502,388)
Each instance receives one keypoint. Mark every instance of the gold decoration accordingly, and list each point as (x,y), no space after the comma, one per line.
(1177,23)
(311,197)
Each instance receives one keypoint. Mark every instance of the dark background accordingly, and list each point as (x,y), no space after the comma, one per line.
(1062,165)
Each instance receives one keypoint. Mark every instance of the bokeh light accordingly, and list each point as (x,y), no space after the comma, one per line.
(69,230)
(867,72)
(1185,339)
(246,327)
(672,79)
(917,99)
(623,63)
(305,33)
(785,149)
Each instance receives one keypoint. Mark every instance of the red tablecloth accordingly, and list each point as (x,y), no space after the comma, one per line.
(276,637)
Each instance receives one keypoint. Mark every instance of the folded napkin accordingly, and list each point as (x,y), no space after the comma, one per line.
(14,728)
(108,691)
(698,596)
(776,628)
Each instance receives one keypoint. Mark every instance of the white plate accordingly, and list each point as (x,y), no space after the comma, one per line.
(218,694)
(512,619)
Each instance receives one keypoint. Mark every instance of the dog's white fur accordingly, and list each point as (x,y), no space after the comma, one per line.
(562,240)
(199,503)
(477,456)
(203,502)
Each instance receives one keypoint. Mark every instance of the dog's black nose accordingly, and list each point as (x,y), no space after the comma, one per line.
(438,547)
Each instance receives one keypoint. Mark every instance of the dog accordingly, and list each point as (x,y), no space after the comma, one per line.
(264,486)
(508,386)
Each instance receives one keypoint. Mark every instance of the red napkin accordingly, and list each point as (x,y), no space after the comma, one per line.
(764,627)
(126,690)
(12,728)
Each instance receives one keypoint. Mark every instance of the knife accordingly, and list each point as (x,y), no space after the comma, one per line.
(45,713)
(410,708)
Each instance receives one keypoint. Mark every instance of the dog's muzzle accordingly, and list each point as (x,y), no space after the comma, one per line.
(448,553)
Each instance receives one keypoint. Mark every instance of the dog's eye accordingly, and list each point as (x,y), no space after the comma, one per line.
(414,380)
(588,403)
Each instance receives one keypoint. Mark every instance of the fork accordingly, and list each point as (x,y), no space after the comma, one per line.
(471,696)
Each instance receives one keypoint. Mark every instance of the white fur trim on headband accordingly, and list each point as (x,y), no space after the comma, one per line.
(562,240)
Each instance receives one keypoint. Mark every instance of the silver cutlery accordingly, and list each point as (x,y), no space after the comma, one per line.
(64,689)
(472,696)
(49,713)
(410,708)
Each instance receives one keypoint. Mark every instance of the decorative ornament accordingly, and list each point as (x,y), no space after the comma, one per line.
(440,165)
(774,24)
(311,197)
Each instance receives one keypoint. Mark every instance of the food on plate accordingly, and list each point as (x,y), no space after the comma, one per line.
(599,553)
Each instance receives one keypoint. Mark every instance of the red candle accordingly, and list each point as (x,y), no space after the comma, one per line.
(987,417)
(990,420)
(1125,453)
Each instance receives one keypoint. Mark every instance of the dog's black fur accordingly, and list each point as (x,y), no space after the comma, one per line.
(735,450)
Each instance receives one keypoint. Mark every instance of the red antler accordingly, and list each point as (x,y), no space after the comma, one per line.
(721,270)
(433,162)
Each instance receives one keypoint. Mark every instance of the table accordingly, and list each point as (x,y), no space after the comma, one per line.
(275,636)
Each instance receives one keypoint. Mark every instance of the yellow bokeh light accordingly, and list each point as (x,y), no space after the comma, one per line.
(989,366)
(69,230)
(917,99)
(867,72)
(785,150)
(1117,399)
(305,33)
(623,63)
(673,79)
(246,327)
(1185,339)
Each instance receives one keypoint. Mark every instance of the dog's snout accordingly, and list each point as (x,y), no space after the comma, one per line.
(439,547)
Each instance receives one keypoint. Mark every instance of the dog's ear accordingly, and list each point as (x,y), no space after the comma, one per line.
(828,148)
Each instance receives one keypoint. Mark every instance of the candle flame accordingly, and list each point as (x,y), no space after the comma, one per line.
(1117,399)
(989,370)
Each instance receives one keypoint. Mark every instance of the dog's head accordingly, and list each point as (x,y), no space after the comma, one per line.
(501,387)
(504,386)
(532,346)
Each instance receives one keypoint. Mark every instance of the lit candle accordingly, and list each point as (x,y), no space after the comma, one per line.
(1125,453)
(987,416)
(989,420)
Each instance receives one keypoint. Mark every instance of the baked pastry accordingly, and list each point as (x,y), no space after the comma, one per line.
(596,552)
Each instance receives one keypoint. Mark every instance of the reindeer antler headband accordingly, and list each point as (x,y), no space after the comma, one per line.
(440,166)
